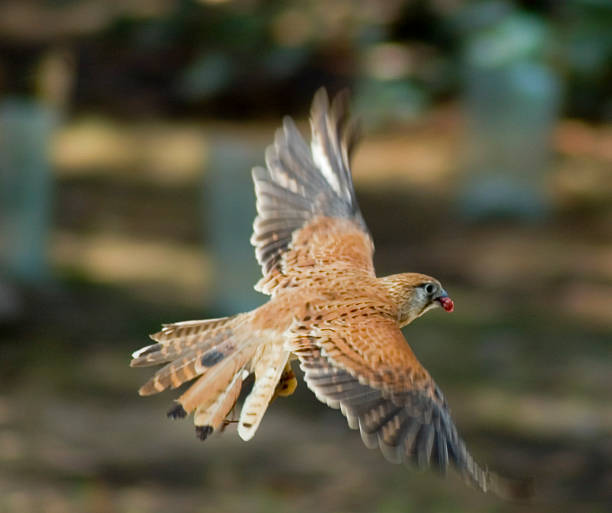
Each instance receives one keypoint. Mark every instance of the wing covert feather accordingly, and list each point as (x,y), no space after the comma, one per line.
(366,368)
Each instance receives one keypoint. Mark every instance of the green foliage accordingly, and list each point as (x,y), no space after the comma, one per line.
(188,55)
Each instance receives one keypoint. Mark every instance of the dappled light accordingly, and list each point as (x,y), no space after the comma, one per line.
(128,131)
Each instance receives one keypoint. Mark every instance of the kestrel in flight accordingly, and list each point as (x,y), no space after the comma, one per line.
(327,309)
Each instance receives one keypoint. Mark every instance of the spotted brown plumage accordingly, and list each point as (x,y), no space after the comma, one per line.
(327,309)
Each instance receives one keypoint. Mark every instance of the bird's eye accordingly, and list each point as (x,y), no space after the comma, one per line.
(430,288)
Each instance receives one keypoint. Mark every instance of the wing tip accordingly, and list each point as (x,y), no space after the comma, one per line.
(392,453)
(320,102)
(509,488)
(338,108)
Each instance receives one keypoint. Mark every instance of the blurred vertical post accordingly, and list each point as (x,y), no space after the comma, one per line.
(27,124)
(229,210)
(512,98)
(25,187)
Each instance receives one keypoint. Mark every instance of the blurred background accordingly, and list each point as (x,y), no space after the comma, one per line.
(127,132)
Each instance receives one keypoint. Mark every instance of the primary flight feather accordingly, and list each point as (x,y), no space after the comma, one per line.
(327,309)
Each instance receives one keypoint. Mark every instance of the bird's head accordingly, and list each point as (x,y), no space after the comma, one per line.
(416,294)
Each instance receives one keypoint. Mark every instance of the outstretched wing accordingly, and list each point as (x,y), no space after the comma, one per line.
(365,367)
(306,202)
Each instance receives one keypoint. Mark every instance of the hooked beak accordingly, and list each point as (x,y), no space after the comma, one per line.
(445,301)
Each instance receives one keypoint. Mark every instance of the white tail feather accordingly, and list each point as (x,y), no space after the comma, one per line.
(268,371)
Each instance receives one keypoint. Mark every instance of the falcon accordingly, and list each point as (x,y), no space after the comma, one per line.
(327,310)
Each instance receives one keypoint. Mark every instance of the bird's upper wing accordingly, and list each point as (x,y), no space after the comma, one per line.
(361,363)
(307,213)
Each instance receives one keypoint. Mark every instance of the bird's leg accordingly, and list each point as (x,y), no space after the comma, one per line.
(287,383)
(230,419)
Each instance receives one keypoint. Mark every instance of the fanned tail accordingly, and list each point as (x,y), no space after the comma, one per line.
(219,354)
(191,348)
(216,351)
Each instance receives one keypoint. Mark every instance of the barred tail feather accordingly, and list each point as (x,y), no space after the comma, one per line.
(174,339)
(190,349)
(192,363)
(268,369)
(209,386)
(215,414)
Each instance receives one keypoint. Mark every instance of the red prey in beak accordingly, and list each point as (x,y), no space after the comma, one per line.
(446,303)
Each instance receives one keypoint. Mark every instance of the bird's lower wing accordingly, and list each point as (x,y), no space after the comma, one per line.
(387,395)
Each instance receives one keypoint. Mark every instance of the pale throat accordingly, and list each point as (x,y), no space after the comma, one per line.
(411,309)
